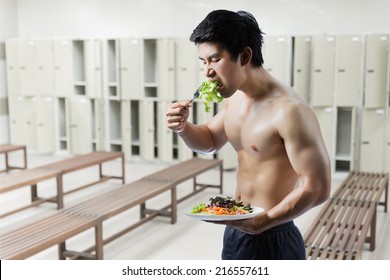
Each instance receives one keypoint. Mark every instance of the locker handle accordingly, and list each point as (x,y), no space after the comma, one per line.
(40,124)
(57,68)
(73,125)
(317,70)
(97,68)
(299,70)
(365,142)
(370,71)
(183,69)
(341,70)
(40,67)
(170,69)
(124,68)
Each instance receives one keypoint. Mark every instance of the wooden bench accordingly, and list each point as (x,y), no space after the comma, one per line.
(8,148)
(31,177)
(104,206)
(348,219)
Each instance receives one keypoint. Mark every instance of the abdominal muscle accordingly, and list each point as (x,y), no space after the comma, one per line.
(264,183)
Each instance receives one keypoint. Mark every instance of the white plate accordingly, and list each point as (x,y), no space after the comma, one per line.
(211,217)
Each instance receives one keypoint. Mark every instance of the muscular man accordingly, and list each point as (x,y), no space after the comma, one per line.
(283,165)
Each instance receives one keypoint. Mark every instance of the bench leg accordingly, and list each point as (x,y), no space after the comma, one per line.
(173,206)
(99,241)
(61,249)
(142,210)
(34,192)
(373,233)
(100,171)
(60,193)
(6,162)
(25,158)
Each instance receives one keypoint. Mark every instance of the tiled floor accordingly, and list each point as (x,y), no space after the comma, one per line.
(158,239)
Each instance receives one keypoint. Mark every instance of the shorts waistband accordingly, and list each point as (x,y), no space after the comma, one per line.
(281,227)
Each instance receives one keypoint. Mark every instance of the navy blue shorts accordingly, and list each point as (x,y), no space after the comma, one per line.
(283,242)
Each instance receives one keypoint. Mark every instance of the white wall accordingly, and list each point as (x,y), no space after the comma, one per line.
(154,18)
(177,18)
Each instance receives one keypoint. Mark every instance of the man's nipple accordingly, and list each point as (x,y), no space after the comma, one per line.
(254,148)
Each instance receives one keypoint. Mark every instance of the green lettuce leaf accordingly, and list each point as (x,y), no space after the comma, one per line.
(209,94)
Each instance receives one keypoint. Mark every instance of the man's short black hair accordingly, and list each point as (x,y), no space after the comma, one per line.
(233,32)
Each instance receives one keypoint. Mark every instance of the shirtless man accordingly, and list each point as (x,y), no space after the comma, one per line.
(283,165)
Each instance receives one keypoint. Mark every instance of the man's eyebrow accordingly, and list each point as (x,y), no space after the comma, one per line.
(214,55)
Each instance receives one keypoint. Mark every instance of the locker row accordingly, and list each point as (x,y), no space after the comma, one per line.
(345,70)
(79,125)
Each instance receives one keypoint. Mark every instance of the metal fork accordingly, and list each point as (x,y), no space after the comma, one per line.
(196,94)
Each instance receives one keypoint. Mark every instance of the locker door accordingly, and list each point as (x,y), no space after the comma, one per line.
(27,68)
(12,67)
(98,129)
(277,57)
(147,130)
(166,69)
(187,69)
(301,78)
(325,120)
(80,123)
(322,71)
(165,135)
(348,70)
(45,125)
(93,68)
(130,68)
(17,123)
(63,68)
(376,71)
(126,128)
(29,112)
(372,145)
(387,144)
(45,67)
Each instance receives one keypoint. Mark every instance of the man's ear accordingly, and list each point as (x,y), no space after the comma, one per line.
(246,56)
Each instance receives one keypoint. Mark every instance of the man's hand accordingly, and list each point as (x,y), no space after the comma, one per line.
(177,115)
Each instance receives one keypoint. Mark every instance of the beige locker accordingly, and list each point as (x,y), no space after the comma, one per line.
(18,135)
(187,72)
(149,63)
(112,68)
(349,51)
(93,68)
(126,120)
(45,124)
(277,57)
(387,143)
(376,70)
(63,79)
(166,69)
(345,139)
(12,60)
(147,129)
(98,127)
(79,67)
(115,125)
(372,141)
(45,67)
(27,67)
(29,115)
(325,118)
(62,125)
(301,68)
(130,65)
(80,124)
(164,134)
(322,70)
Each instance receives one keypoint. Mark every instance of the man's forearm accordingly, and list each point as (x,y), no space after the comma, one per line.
(198,138)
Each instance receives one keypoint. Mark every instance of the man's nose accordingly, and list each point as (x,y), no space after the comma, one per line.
(208,71)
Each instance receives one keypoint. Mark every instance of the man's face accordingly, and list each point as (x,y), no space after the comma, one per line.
(218,66)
